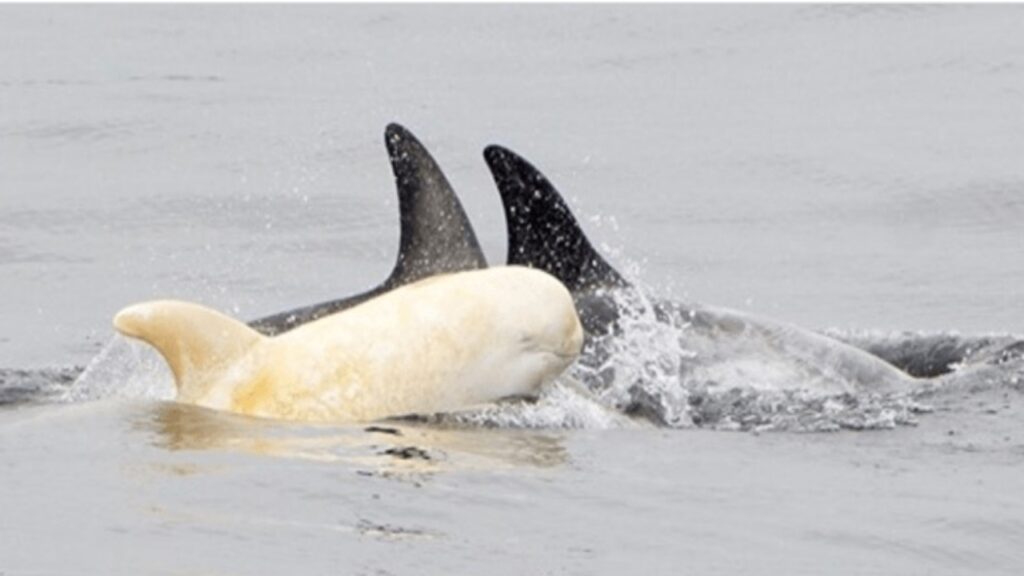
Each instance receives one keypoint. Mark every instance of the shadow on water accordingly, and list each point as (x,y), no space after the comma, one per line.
(387,449)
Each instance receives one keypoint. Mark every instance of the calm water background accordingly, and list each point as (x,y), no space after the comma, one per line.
(845,166)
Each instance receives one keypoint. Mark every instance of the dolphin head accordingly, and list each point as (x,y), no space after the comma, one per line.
(550,328)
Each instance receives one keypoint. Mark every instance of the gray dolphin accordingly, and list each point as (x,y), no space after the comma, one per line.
(544,233)
(721,347)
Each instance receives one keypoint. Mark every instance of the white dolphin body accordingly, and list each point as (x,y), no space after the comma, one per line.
(437,345)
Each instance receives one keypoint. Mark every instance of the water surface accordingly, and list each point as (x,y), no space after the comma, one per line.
(846,167)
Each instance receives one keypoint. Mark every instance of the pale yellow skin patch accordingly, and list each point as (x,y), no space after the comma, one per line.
(441,344)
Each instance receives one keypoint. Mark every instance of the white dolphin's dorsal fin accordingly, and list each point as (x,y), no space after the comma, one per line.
(198,343)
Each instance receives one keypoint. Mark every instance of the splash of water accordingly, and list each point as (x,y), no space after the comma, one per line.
(641,370)
(124,369)
(636,369)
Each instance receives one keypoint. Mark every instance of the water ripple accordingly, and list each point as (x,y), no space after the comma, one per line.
(71,132)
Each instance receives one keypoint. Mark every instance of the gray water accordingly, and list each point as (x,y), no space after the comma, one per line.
(851,168)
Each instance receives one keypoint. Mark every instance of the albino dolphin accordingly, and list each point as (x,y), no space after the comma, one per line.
(436,345)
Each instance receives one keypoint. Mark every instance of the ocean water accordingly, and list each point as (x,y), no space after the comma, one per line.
(848,169)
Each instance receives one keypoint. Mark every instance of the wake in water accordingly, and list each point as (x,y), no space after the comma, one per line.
(45,385)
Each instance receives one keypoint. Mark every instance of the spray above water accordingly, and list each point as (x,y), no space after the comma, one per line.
(636,367)
(125,369)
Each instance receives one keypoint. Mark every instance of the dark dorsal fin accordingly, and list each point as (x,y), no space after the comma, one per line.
(436,236)
(542,232)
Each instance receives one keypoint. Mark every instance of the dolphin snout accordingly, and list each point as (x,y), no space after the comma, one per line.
(573,343)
